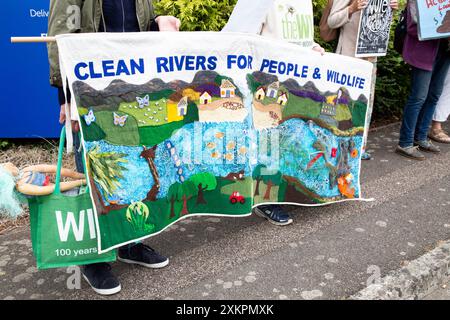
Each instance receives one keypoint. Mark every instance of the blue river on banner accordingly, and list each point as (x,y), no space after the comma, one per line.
(228,147)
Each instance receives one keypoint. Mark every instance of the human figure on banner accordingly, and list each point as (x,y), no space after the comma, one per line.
(437,133)
(288,20)
(430,62)
(112,16)
(345,15)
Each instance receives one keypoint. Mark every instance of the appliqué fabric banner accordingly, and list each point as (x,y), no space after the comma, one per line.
(177,124)
(434,19)
(374,29)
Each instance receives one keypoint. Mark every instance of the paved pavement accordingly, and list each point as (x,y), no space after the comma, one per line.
(442,293)
(328,253)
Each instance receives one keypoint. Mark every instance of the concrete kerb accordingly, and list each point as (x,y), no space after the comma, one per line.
(415,280)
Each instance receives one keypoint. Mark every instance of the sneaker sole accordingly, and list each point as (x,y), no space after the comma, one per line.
(429,151)
(280,224)
(426,150)
(409,157)
(104,292)
(151,266)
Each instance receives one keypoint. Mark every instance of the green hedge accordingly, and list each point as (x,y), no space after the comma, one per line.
(198,15)
(393,75)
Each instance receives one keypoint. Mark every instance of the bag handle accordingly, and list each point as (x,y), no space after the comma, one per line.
(62,140)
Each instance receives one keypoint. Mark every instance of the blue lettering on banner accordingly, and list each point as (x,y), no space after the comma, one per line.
(242,62)
(109,68)
(78,73)
(108,65)
(284,68)
(188,63)
(345,79)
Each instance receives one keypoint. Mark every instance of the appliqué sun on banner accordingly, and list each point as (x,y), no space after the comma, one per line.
(182,124)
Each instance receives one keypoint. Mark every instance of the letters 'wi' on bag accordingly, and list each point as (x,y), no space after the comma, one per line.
(326,33)
(63,229)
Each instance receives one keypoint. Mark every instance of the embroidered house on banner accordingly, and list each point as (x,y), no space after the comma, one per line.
(329,106)
(182,106)
(272,90)
(260,94)
(227,89)
(205,98)
(282,99)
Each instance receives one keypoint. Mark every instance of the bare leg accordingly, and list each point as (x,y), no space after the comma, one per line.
(437,126)
(438,134)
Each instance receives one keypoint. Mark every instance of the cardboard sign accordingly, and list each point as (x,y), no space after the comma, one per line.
(433,19)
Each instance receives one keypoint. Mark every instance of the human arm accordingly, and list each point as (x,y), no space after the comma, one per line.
(342,11)
(412,23)
(64,17)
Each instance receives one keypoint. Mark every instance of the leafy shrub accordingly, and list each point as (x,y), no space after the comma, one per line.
(4,144)
(198,15)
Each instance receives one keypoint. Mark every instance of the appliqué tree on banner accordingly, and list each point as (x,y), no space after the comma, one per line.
(374,29)
(434,19)
(211,123)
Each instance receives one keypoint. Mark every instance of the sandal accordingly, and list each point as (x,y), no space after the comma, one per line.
(439,136)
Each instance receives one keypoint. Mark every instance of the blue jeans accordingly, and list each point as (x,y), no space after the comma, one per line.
(426,88)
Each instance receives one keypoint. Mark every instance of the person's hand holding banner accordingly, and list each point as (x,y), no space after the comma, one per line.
(168,23)
(356,6)
(62,119)
(319,49)
(394,4)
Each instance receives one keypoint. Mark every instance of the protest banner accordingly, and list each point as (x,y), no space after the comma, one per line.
(374,29)
(433,19)
(183,124)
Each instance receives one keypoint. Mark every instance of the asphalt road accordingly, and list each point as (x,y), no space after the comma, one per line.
(327,253)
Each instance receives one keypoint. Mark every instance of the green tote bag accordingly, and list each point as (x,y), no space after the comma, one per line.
(63,227)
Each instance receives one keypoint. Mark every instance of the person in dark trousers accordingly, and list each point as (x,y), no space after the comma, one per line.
(429,61)
(74,16)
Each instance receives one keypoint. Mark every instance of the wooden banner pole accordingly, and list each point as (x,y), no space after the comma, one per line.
(32,39)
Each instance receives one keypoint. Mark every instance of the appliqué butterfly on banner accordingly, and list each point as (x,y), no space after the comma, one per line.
(143,102)
(89,118)
(120,120)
